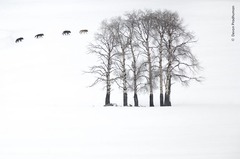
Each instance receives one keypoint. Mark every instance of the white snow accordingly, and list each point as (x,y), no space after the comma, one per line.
(68,132)
(47,110)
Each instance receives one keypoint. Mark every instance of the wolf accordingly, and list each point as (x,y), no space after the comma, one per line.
(66,32)
(19,39)
(83,31)
(39,36)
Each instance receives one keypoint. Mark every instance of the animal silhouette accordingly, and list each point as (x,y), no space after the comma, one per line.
(83,31)
(19,39)
(66,32)
(39,36)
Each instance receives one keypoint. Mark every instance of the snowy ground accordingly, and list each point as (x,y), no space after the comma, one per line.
(181,132)
(48,112)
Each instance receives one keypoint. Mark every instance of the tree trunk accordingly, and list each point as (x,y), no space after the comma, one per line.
(135,76)
(161,81)
(168,92)
(168,80)
(135,100)
(151,100)
(124,72)
(167,100)
(125,101)
(161,99)
(161,72)
(107,99)
(150,76)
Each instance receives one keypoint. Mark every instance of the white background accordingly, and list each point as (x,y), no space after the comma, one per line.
(47,111)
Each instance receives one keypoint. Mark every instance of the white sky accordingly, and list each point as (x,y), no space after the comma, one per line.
(49,70)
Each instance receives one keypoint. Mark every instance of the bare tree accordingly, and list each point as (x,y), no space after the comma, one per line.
(136,68)
(103,48)
(159,31)
(181,63)
(143,33)
(122,41)
(142,46)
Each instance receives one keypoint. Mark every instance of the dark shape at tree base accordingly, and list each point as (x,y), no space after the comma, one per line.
(151,100)
(135,97)
(107,99)
(125,99)
(161,100)
(167,100)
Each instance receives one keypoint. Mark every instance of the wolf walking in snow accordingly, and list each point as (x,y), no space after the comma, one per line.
(83,31)
(19,39)
(66,32)
(39,36)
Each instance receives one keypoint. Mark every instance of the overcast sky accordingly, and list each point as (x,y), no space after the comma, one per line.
(26,69)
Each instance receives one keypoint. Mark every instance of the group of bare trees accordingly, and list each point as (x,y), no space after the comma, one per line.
(144,50)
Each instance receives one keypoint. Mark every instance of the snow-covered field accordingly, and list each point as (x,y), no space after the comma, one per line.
(48,112)
(179,132)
